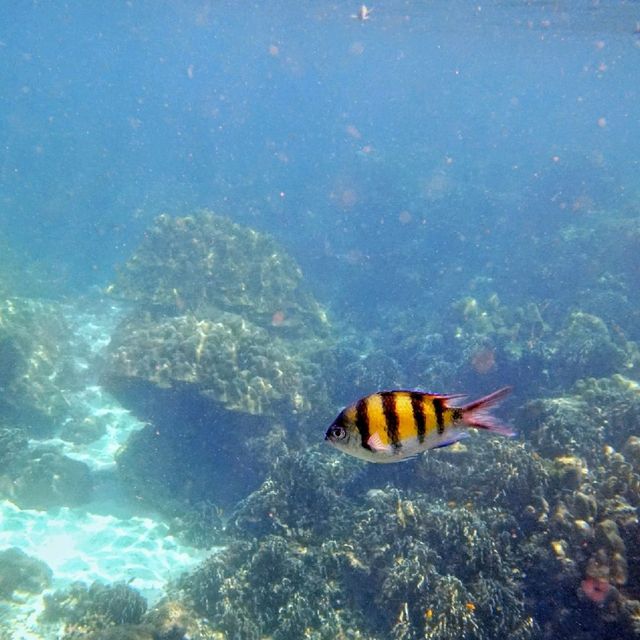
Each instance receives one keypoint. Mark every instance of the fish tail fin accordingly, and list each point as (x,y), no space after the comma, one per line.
(477,414)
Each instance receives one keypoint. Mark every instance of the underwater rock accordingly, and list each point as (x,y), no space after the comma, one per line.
(83,430)
(225,358)
(14,447)
(40,478)
(192,263)
(598,412)
(586,346)
(244,332)
(49,479)
(98,612)
(35,363)
(223,340)
(174,620)
(22,573)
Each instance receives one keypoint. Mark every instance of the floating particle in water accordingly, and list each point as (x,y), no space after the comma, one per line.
(364,13)
(483,360)
(278,318)
(353,131)
(404,217)
(346,198)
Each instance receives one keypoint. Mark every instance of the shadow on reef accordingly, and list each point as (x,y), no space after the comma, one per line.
(185,453)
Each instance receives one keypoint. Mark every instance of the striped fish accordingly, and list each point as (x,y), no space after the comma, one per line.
(390,426)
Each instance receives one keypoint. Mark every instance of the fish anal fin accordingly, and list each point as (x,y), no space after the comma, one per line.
(451,438)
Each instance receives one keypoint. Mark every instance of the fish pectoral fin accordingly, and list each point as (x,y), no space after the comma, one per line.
(375,444)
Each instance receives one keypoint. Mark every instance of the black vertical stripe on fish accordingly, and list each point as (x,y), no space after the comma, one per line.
(391,418)
(437,405)
(362,422)
(417,407)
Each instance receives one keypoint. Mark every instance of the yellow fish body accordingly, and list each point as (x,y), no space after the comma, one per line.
(390,426)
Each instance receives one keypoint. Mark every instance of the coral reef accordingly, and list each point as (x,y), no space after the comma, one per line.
(591,525)
(22,573)
(223,340)
(50,479)
(587,347)
(475,541)
(118,612)
(191,263)
(234,366)
(35,363)
(480,540)
(244,332)
(99,606)
(229,360)
(40,477)
(598,412)
(315,558)
(492,341)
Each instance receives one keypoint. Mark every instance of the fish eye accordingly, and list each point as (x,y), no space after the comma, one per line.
(338,433)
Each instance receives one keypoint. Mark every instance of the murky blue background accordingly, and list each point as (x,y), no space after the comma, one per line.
(432,143)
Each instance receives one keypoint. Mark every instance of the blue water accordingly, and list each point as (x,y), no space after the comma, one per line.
(437,155)
(261,111)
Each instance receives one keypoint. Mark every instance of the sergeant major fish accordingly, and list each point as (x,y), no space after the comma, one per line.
(391,426)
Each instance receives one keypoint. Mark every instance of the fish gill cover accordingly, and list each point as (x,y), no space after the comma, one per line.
(223,223)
